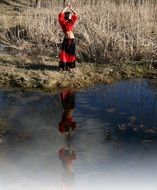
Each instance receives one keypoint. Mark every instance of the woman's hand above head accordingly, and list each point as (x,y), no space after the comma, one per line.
(69,5)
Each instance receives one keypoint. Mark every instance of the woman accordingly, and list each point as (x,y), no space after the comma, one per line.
(67,54)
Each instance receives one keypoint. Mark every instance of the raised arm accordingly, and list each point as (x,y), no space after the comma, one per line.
(70,7)
(63,11)
(74,16)
(61,16)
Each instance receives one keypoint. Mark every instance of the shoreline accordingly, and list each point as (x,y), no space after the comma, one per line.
(30,73)
(28,54)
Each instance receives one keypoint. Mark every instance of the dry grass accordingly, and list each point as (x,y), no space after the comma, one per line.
(107,31)
(24,73)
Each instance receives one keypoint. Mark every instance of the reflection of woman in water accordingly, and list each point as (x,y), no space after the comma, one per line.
(67,155)
(67,125)
(67,54)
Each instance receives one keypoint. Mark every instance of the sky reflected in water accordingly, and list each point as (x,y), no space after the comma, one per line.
(101,138)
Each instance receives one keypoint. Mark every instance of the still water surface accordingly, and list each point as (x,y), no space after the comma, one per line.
(101,138)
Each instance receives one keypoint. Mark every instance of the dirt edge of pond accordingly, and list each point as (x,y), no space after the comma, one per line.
(33,74)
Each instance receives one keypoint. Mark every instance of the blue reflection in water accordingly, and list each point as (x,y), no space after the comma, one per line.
(100,138)
(128,107)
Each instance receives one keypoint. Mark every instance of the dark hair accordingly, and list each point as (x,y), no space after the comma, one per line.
(66,15)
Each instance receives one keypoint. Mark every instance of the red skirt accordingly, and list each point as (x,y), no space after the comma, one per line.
(67,55)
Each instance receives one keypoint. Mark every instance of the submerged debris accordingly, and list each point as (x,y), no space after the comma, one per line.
(4,127)
(122,127)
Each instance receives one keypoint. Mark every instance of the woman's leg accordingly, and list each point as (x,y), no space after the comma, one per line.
(72,49)
(62,64)
(67,54)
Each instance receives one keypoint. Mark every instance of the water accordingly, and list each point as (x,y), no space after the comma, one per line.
(101,138)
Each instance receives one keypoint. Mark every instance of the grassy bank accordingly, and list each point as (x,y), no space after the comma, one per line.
(115,40)
(24,72)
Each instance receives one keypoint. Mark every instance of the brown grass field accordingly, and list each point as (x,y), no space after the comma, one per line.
(110,33)
(107,31)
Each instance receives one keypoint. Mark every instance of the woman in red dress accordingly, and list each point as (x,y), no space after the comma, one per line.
(67,21)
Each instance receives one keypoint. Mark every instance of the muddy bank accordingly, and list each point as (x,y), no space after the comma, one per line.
(28,73)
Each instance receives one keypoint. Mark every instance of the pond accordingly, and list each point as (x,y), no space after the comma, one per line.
(100,138)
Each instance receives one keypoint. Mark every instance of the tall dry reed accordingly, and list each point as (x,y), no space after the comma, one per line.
(107,30)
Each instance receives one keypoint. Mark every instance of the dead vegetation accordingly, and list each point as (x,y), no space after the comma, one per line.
(28,73)
(107,31)
(110,32)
